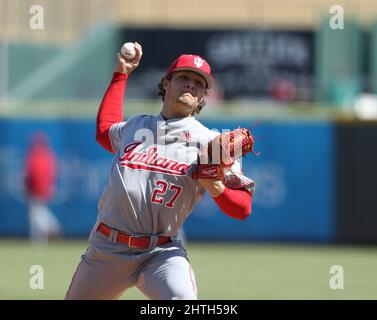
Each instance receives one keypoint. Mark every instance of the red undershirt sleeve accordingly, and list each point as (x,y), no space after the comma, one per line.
(111,109)
(235,203)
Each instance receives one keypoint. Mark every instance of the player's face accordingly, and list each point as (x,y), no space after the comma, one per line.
(183,93)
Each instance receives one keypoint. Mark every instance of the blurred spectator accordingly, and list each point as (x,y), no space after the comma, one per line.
(40,175)
(283,90)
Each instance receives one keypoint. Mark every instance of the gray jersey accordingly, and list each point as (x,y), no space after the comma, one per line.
(150,190)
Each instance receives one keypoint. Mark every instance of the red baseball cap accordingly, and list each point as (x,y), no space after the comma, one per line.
(193,63)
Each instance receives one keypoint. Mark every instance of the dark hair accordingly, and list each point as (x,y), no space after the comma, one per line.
(161,92)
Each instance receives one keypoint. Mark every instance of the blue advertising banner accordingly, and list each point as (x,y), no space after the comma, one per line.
(294,175)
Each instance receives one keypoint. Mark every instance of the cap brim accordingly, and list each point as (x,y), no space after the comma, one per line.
(206,76)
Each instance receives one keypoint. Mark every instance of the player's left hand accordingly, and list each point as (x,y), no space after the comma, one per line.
(222,152)
(127,66)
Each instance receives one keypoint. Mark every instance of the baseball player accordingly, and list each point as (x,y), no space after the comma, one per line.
(155,182)
(40,179)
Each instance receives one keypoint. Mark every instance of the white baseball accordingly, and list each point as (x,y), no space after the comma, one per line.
(128,50)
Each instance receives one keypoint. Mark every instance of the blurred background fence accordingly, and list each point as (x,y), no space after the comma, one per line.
(310,86)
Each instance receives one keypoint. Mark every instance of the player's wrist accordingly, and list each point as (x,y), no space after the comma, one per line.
(218,190)
(214,187)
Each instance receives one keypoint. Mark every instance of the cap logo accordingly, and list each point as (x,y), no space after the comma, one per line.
(198,62)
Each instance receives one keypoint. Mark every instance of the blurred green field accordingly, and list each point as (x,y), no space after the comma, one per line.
(223,271)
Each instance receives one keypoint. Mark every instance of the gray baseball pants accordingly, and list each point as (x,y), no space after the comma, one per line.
(107,269)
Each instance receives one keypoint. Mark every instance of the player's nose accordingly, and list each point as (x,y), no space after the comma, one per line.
(190,84)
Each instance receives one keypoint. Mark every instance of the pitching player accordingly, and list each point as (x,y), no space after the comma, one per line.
(151,189)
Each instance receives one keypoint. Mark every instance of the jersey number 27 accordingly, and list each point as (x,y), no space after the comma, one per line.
(160,190)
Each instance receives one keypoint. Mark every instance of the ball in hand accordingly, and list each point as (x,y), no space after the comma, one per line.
(128,50)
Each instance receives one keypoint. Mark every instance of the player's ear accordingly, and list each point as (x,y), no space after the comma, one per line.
(165,83)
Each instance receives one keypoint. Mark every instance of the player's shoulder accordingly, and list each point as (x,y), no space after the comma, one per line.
(204,130)
(139,120)
(198,125)
(138,117)
(130,123)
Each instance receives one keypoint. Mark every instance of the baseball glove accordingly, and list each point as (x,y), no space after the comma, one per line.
(222,152)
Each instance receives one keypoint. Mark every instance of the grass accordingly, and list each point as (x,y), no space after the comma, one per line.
(223,271)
